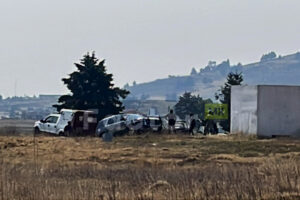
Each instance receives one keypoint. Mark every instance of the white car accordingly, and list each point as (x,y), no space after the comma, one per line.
(53,123)
(82,122)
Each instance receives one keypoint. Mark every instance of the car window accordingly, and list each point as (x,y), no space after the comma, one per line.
(51,119)
(54,119)
(48,119)
(110,121)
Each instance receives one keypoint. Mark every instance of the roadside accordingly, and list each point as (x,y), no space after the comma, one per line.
(16,127)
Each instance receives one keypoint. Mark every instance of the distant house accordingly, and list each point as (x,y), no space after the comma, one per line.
(266,110)
(49,97)
(4,115)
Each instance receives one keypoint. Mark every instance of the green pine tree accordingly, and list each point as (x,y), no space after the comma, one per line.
(92,88)
(224,95)
(189,103)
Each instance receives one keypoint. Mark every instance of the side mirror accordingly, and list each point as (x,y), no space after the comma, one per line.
(42,121)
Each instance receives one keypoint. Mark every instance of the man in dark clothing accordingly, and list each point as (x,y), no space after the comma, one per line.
(160,124)
(192,124)
(68,130)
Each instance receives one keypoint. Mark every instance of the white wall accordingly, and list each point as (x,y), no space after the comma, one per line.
(243,109)
(279,111)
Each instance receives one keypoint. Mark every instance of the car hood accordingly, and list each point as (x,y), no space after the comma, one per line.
(36,123)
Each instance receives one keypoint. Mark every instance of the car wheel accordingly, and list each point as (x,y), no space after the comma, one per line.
(61,134)
(37,130)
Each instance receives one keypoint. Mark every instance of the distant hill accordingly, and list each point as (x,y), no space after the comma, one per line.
(272,69)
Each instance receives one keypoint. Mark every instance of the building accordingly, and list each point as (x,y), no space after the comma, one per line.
(265,110)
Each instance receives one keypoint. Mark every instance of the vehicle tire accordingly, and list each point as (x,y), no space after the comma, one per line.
(102,133)
(37,131)
(61,134)
(139,132)
(124,132)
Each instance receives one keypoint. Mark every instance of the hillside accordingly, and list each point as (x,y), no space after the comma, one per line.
(282,70)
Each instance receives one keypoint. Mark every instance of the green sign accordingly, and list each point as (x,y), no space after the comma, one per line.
(216,111)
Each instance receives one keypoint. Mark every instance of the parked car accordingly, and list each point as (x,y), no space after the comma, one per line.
(181,126)
(155,123)
(51,124)
(82,122)
(135,122)
(123,123)
(115,124)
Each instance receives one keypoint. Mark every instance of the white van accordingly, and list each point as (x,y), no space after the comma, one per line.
(83,122)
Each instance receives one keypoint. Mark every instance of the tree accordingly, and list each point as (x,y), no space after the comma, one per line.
(92,88)
(193,72)
(126,86)
(211,63)
(224,95)
(189,103)
(268,56)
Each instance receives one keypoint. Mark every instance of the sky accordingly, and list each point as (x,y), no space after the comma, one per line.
(141,40)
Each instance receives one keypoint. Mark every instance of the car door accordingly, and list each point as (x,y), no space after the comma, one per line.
(120,123)
(45,127)
(42,124)
(50,124)
(53,125)
(110,125)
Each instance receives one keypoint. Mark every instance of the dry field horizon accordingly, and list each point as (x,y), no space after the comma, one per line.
(149,166)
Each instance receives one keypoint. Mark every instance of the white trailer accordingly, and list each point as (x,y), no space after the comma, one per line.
(266,110)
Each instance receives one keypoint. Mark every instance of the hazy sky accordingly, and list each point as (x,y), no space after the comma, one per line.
(141,40)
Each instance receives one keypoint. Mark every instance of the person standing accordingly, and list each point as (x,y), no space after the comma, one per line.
(171,117)
(68,130)
(192,124)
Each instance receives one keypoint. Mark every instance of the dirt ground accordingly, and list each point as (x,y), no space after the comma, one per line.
(149,166)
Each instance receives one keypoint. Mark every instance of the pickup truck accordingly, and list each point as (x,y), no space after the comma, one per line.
(82,122)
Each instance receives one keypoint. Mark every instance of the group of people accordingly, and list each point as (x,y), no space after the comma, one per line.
(171,117)
(210,125)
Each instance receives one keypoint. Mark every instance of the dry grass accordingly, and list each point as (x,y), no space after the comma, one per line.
(149,167)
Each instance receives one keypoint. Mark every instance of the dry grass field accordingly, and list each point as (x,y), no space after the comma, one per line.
(149,167)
